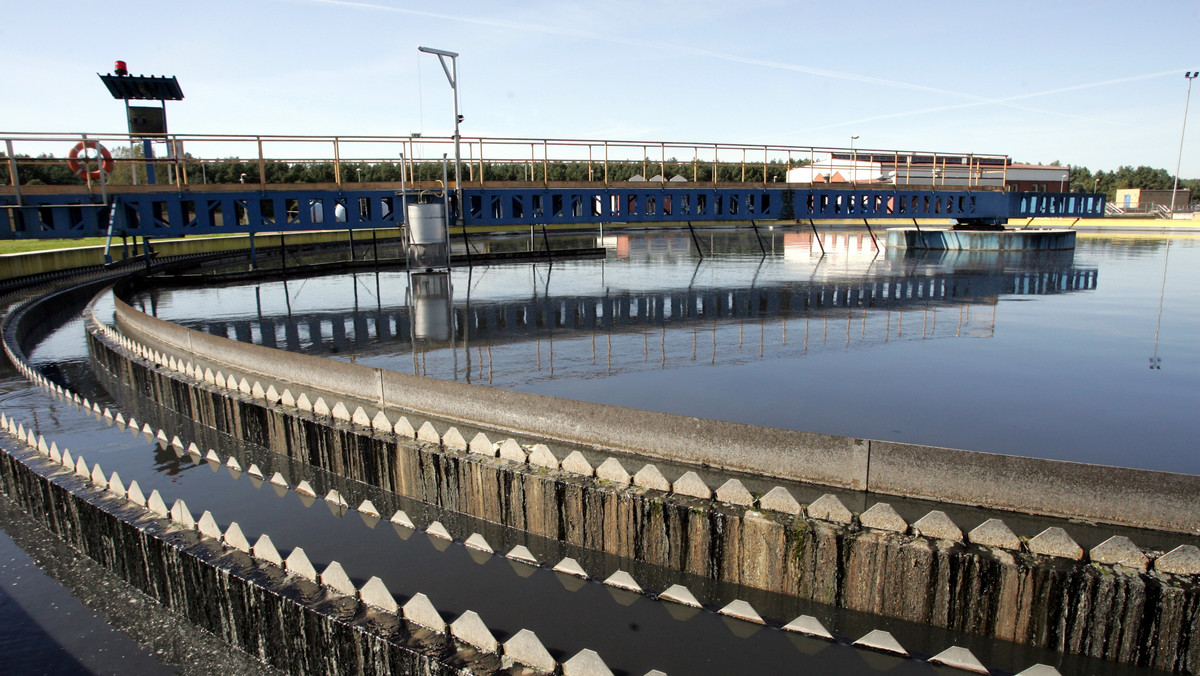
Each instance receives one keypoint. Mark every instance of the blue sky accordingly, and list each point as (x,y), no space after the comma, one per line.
(1094,83)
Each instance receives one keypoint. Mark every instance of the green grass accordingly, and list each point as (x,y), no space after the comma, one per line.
(23,245)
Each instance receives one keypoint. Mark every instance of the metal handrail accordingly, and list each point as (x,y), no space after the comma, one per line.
(481,152)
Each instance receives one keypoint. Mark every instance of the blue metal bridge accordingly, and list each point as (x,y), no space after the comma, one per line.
(228,211)
(956,188)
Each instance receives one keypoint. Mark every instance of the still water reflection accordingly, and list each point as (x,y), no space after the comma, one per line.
(1088,355)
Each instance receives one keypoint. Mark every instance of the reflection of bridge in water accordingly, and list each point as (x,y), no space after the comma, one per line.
(390,330)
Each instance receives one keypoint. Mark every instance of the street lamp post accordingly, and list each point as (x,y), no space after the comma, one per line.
(1190,75)
(452,76)
(853,160)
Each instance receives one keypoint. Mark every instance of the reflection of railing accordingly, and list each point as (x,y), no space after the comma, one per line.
(521,320)
(264,159)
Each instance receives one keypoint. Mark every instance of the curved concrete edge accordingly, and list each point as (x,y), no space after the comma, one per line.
(880,516)
(1135,498)
(469,628)
(1128,497)
(819,458)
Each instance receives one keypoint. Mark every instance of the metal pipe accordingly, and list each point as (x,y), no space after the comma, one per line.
(1190,75)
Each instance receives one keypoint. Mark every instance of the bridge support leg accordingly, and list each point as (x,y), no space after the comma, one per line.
(757,236)
(253,254)
(695,240)
(817,236)
(873,240)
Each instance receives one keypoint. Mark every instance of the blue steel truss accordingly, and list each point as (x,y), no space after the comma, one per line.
(181,213)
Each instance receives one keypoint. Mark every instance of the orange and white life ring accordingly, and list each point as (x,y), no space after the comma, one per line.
(106,160)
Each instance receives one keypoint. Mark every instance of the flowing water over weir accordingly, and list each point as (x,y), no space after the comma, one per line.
(430,519)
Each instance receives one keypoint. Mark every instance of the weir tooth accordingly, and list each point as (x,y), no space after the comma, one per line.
(882,641)
(542,456)
(577,464)
(570,567)
(381,422)
(156,504)
(522,553)
(623,580)
(778,499)
(208,527)
(368,508)
(115,485)
(400,518)
(1183,560)
(304,489)
(1040,670)
(335,577)
(336,498)
(453,440)
(212,456)
(437,530)
(244,386)
(586,663)
(428,433)
(937,524)
(320,408)
(278,480)
(233,464)
(1119,550)
(303,403)
(612,470)
(257,391)
(419,610)
(650,477)
(469,628)
(98,479)
(526,648)
(404,429)
(272,395)
(236,539)
(1055,541)
(692,485)
(298,563)
(81,468)
(361,418)
(733,492)
(265,549)
(807,624)
(341,412)
(829,508)
(287,399)
(881,516)
(482,445)
(743,611)
(375,593)
(680,594)
(959,658)
(995,533)
(181,515)
(477,542)
(135,495)
(254,471)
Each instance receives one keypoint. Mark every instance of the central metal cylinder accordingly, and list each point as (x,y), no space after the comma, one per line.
(427,223)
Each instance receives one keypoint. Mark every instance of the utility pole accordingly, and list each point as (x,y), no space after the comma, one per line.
(452,76)
(1190,75)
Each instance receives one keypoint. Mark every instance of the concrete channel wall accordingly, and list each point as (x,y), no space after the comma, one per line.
(1116,603)
(1129,497)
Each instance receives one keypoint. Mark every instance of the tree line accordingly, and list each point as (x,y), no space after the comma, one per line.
(49,170)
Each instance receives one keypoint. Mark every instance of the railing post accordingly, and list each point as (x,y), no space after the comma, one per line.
(662,163)
(12,171)
(764,166)
(262,165)
(743,165)
(337,163)
(606,163)
(482,176)
(545,163)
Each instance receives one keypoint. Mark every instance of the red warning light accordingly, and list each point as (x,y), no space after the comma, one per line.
(119,68)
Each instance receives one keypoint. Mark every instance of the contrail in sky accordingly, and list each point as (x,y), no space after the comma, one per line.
(975,100)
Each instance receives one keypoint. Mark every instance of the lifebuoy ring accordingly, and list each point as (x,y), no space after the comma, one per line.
(106,162)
